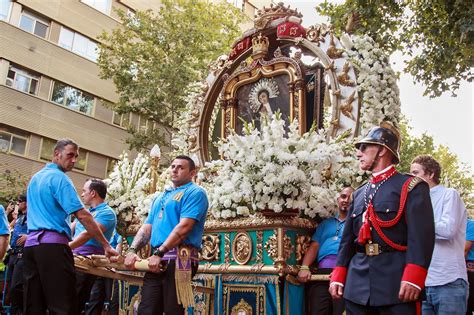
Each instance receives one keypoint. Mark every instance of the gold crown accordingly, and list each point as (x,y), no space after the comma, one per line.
(277,11)
(260,46)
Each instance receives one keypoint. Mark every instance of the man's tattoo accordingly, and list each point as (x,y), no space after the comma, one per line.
(140,240)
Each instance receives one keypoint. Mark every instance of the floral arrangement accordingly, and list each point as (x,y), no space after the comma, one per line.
(128,190)
(268,170)
(376,81)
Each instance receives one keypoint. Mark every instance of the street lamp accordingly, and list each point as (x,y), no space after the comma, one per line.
(155,155)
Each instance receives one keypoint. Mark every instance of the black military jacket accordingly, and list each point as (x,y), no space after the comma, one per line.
(375,280)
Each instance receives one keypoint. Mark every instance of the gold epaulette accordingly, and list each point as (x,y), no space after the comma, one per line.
(415,181)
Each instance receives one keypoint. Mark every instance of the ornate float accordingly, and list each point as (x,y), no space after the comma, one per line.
(272,127)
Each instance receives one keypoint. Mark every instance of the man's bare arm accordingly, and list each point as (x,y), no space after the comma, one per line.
(3,246)
(83,237)
(142,238)
(178,234)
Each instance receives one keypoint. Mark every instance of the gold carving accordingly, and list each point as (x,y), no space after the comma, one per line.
(242,308)
(302,245)
(272,246)
(346,108)
(344,78)
(258,221)
(260,46)
(265,15)
(259,255)
(210,247)
(227,248)
(333,52)
(316,33)
(242,248)
(352,22)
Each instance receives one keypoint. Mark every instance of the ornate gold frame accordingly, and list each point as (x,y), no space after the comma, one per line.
(264,69)
(242,255)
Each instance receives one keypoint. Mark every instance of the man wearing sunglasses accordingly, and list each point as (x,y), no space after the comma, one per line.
(388,239)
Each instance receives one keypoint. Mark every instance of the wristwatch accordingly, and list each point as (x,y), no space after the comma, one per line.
(158,252)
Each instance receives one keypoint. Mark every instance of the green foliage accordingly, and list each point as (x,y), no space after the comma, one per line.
(154,57)
(12,183)
(437,35)
(454,173)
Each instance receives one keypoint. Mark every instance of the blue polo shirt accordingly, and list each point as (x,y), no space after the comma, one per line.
(470,237)
(4,230)
(328,234)
(187,201)
(115,239)
(19,228)
(52,198)
(104,215)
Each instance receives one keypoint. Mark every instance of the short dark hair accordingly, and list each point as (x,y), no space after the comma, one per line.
(98,186)
(430,165)
(62,143)
(22,197)
(192,165)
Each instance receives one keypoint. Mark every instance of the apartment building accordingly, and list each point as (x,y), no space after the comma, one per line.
(49,84)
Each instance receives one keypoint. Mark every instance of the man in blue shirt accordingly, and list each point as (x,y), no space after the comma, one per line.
(49,275)
(15,261)
(176,221)
(324,245)
(469,254)
(93,195)
(4,233)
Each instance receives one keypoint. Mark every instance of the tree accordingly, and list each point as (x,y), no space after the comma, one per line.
(12,183)
(454,173)
(437,35)
(154,57)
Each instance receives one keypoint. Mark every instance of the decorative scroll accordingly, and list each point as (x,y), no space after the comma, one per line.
(210,247)
(302,245)
(227,248)
(242,248)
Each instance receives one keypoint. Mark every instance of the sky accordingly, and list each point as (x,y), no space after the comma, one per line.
(448,119)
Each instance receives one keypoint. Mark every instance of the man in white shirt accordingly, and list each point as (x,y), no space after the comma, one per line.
(446,284)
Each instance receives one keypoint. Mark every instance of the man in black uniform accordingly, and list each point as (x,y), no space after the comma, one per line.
(388,238)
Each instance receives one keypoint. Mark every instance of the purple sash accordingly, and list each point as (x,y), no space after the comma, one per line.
(173,253)
(328,262)
(45,237)
(88,250)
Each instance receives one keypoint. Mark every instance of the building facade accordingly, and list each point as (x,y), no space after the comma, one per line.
(50,86)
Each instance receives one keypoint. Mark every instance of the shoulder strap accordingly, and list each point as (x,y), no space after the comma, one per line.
(415,181)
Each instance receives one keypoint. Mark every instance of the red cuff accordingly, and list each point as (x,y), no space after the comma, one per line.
(415,274)
(339,275)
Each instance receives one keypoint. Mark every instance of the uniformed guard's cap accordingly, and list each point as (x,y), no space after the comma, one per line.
(385,135)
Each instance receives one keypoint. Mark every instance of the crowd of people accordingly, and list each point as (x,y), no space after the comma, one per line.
(398,244)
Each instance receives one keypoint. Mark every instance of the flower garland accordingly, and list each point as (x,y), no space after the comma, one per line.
(128,189)
(376,81)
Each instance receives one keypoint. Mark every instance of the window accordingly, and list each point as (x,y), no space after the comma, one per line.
(145,124)
(100,5)
(46,154)
(11,142)
(22,80)
(122,120)
(33,24)
(72,98)
(4,9)
(78,44)
(110,166)
(239,4)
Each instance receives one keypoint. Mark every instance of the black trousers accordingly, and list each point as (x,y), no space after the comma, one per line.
(320,302)
(104,290)
(84,284)
(470,300)
(50,280)
(15,283)
(159,292)
(395,309)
